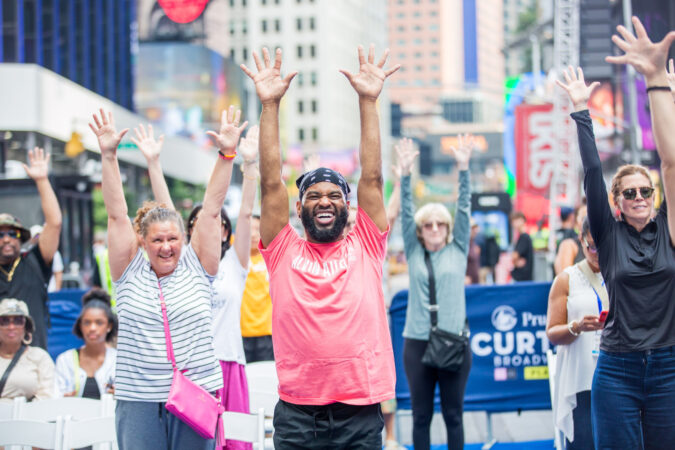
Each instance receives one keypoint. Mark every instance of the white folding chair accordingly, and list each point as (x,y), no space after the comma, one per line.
(49,409)
(11,410)
(32,433)
(245,427)
(263,390)
(99,432)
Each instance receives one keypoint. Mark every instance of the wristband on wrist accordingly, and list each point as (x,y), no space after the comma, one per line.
(658,88)
(225,157)
(570,328)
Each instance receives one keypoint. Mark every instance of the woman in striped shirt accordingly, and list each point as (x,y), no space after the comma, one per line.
(182,274)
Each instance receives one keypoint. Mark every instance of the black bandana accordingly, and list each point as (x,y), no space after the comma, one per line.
(317,176)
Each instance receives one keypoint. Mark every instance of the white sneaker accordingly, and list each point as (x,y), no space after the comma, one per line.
(393,445)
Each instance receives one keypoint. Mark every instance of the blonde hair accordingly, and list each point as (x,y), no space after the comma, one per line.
(153,212)
(625,170)
(429,210)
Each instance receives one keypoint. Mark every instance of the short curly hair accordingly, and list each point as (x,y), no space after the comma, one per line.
(152,212)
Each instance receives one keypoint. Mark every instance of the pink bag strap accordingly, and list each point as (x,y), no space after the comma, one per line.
(167,332)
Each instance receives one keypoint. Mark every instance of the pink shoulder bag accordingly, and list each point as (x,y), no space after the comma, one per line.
(187,400)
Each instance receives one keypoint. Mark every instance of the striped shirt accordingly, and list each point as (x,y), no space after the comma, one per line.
(143,372)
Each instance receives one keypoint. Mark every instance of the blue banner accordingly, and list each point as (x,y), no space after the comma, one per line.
(508,342)
(64,308)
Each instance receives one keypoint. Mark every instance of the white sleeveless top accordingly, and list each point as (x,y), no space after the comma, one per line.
(228,289)
(575,362)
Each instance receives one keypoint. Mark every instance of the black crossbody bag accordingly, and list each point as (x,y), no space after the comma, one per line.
(12,363)
(445,350)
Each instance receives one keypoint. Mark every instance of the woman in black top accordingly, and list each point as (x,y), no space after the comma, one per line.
(634,384)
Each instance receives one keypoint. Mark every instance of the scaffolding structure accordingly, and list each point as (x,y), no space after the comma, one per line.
(564,190)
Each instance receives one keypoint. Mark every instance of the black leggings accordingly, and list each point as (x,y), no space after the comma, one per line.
(422,381)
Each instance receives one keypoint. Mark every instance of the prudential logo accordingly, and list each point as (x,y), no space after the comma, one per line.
(504,318)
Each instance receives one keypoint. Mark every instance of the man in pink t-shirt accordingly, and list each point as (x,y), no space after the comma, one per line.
(331,339)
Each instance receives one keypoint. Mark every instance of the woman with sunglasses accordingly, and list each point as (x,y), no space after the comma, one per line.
(25,370)
(574,309)
(634,383)
(430,230)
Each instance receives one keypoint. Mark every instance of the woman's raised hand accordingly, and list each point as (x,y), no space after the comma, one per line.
(406,157)
(269,85)
(248,146)
(228,136)
(647,57)
(576,87)
(462,152)
(146,143)
(108,137)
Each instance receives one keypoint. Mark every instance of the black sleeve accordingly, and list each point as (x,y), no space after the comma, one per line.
(599,213)
(522,246)
(44,268)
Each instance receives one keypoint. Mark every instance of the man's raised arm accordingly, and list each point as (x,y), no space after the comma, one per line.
(270,88)
(38,170)
(368,84)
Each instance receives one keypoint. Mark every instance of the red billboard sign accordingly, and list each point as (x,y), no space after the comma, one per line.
(534,135)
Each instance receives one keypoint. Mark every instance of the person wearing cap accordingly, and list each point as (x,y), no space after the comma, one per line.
(25,371)
(25,276)
(331,339)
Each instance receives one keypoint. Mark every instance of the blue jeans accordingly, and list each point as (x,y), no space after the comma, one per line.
(148,425)
(581,415)
(632,400)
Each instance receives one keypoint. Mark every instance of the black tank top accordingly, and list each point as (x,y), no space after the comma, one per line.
(91,389)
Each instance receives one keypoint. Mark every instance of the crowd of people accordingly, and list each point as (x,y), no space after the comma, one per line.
(197,297)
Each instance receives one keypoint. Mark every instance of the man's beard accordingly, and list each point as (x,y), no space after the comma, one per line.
(9,258)
(325,234)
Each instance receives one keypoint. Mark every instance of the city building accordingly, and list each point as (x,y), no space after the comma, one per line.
(62,61)
(452,82)
(319,113)
(88,42)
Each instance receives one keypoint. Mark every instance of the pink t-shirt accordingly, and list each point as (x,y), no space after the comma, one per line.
(330,332)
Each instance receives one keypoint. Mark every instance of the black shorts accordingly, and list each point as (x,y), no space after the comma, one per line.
(258,348)
(334,426)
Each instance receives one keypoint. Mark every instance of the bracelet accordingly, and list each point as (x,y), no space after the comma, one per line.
(571,329)
(225,157)
(658,88)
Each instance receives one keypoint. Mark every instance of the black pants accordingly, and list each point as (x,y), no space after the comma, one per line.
(583,432)
(335,426)
(422,382)
(258,348)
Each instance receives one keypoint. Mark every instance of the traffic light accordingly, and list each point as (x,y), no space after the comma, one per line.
(74,146)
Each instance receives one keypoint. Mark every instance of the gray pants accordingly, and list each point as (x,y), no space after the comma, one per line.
(148,425)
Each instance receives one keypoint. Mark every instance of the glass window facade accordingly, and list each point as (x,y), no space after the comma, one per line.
(86,41)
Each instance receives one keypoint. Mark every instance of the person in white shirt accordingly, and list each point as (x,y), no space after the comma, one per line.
(573,325)
(89,371)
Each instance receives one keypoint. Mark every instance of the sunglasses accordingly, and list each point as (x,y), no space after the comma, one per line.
(16,234)
(631,193)
(17,320)
(430,225)
(591,248)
